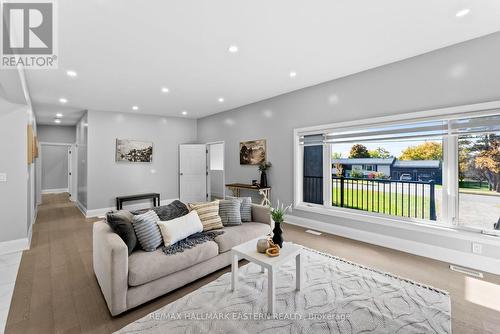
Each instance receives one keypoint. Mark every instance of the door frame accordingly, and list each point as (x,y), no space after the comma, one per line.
(209,190)
(72,168)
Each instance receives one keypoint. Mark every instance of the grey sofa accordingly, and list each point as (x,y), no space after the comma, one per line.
(128,281)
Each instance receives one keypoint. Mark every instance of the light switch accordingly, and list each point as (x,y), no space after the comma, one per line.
(3,177)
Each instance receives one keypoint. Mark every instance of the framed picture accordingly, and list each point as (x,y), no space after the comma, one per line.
(128,150)
(253,152)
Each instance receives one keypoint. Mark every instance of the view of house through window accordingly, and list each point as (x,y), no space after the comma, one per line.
(438,171)
(395,177)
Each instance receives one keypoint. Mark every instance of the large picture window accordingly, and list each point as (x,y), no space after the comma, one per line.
(440,171)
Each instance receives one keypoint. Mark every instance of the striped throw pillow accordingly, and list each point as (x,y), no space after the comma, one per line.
(209,214)
(147,231)
(229,212)
(245,208)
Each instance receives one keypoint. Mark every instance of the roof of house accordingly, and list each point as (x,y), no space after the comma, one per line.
(417,163)
(364,161)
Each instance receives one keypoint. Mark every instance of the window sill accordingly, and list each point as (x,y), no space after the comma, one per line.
(405,224)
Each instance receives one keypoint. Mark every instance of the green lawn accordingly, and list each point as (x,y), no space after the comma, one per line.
(384,202)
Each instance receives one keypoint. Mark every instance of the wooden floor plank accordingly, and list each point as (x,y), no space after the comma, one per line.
(56,290)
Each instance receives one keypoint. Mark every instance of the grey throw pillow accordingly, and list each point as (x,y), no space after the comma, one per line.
(229,212)
(245,208)
(147,231)
(121,223)
(170,211)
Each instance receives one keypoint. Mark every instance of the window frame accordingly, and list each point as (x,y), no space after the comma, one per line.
(450,167)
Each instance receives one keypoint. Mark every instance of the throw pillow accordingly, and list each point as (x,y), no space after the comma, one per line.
(180,228)
(166,212)
(170,211)
(209,214)
(229,212)
(147,230)
(121,223)
(245,208)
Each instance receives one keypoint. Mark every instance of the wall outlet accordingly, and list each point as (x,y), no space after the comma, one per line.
(477,248)
(3,177)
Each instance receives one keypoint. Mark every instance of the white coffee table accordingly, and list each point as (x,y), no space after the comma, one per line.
(248,251)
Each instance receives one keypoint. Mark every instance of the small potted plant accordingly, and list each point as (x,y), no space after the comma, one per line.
(263,167)
(278,216)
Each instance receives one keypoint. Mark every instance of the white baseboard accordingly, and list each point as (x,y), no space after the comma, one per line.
(14,246)
(469,260)
(55,191)
(81,207)
(102,211)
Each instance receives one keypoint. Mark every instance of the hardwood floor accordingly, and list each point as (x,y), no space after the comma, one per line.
(56,290)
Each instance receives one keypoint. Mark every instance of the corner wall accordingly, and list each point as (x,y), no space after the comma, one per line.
(462,74)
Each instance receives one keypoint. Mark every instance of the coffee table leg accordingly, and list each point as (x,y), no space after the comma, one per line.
(271,291)
(299,272)
(234,271)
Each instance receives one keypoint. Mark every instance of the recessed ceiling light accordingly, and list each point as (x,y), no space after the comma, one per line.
(63,100)
(59,115)
(221,99)
(57,120)
(135,108)
(184,112)
(164,90)
(71,73)
(293,74)
(463,12)
(233,49)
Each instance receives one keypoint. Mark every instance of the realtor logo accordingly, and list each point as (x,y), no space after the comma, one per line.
(28,34)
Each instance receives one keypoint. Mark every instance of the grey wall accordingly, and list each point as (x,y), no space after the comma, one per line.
(461,74)
(56,134)
(14,196)
(82,167)
(108,179)
(54,167)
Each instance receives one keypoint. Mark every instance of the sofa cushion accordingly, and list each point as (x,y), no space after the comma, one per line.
(245,208)
(235,235)
(166,212)
(144,267)
(229,212)
(147,231)
(174,230)
(209,214)
(121,223)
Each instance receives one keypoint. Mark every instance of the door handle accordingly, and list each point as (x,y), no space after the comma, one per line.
(181,174)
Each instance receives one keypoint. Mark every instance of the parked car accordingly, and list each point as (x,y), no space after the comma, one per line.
(405,177)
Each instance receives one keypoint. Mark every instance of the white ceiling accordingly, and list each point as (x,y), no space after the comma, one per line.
(125,50)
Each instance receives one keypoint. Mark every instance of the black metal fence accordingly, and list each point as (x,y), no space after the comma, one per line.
(414,199)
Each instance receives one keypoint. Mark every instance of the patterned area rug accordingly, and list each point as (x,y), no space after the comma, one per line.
(337,297)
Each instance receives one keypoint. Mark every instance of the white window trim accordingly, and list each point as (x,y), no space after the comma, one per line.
(449,176)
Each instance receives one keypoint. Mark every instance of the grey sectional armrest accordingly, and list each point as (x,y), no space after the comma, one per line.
(110,255)
(261,214)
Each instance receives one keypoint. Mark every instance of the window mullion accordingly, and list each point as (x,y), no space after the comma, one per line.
(327,175)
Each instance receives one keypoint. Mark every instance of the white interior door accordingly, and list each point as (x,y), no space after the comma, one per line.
(192,173)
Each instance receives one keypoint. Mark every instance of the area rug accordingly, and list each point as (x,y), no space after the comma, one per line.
(338,296)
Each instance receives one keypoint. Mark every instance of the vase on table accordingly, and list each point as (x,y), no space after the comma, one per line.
(263,179)
(278,234)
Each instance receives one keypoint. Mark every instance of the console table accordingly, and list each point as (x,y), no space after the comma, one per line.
(154,196)
(264,192)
